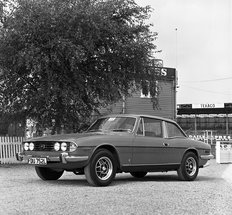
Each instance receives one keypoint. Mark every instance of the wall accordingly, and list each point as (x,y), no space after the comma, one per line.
(137,105)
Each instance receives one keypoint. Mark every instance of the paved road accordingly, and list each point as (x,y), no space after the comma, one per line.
(22,193)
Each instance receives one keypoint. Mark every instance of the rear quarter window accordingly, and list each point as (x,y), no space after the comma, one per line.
(173,130)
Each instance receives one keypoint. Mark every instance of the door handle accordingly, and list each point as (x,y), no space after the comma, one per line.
(165,144)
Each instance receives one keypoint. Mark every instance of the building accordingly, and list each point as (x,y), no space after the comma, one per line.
(139,103)
(198,118)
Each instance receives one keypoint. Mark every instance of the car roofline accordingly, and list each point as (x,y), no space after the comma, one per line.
(137,116)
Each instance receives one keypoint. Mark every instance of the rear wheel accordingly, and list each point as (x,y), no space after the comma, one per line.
(101,169)
(48,174)
(138,174)
(188,169)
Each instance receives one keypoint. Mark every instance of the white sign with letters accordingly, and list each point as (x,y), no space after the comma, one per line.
(224,152)
(207,105)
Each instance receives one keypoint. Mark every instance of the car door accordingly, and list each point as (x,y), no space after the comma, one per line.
(149,146)
(175,140)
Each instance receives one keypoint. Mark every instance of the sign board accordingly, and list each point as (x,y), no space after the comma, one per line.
(207,105)
(166,73)
(224,151)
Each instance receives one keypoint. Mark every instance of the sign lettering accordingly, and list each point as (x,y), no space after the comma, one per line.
(207,105)
(165,72)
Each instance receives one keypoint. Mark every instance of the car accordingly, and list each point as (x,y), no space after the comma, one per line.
(131,143)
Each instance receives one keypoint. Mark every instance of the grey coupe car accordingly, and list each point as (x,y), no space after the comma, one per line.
(137,144)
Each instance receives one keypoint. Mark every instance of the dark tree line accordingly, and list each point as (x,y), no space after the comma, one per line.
(63,59)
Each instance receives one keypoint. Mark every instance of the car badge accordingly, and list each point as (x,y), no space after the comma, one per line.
(43,146)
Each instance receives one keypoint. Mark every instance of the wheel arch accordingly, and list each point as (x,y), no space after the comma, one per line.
(110,148)
(194,150)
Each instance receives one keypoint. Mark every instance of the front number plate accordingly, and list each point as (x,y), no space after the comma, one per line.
(37,161)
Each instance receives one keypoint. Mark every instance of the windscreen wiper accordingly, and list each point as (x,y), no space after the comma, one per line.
(121,130)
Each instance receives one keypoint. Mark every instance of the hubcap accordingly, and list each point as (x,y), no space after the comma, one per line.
(191,166)
(104,168)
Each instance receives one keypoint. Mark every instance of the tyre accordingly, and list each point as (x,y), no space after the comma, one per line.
(101,169)
(189,168)
(138,174)
(48,174)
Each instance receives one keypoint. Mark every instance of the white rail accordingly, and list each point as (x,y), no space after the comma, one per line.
(9,146)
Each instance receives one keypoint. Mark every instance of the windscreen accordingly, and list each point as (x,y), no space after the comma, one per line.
(115,124)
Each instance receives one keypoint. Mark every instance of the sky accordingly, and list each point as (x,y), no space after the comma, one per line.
(195,37)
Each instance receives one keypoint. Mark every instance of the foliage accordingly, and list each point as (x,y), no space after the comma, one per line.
(63,59)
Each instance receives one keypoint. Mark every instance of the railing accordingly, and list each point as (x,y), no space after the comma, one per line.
(9,146)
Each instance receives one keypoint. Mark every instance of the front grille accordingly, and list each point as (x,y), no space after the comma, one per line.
(44,146)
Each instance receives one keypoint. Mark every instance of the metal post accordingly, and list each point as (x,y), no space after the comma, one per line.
(207,136)
(211,139)
(195,125)
(227,124)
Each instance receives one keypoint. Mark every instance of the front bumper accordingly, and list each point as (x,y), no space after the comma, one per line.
(63,158)
(203,161)
(206,157)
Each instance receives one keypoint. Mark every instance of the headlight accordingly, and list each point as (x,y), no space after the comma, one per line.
(26,146)
(31,146)
(57,146)
(63,146)
(72,147)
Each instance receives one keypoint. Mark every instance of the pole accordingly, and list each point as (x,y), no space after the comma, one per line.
(227,124)
(124,104)
(195,125)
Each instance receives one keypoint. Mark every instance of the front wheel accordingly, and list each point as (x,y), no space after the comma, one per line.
(189,168)
(48,174)
(101,169)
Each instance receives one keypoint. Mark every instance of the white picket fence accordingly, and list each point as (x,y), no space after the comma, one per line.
(9,146)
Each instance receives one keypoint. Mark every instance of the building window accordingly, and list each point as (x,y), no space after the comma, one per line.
(148,93)
(145,96)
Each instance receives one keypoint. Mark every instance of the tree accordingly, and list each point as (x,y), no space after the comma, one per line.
(63,59)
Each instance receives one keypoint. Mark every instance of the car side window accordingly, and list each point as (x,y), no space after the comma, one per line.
(152,127)
(173,130)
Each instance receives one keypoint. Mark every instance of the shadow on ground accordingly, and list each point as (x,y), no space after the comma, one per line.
(124,179)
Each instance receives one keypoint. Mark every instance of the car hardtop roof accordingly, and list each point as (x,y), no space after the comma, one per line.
(138,115)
